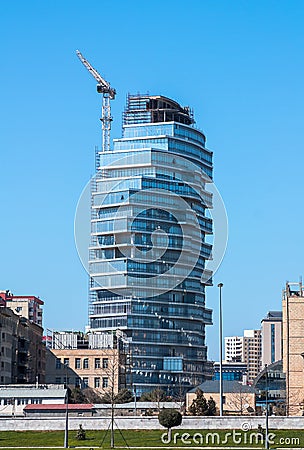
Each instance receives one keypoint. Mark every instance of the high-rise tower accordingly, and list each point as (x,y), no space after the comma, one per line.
(148,249)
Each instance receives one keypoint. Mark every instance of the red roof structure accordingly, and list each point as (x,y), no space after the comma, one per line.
(60,407)
(7,295)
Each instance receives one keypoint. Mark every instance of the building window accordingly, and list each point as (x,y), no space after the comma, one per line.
(105,382)
(77,363)
(272,342)
(86,363)
(66,361)
(96,382)
(97,363)
(58,380)
(85,381)
(105,363)
(58,363)
(77,382)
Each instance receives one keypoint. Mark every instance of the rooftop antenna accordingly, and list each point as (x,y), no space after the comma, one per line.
(104,88)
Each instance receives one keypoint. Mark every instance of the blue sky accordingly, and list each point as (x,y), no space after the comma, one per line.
(239,64)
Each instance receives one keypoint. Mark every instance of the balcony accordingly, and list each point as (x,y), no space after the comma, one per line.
(206,277)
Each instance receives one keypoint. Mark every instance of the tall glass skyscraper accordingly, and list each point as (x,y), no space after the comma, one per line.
(148,249)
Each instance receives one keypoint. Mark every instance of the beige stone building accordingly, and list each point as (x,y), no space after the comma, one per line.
(252,353)
(100,369)
(293,347)
(238,399)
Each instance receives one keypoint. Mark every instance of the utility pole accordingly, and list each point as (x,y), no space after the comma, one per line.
(135,400)
(66,429)
(266,416)
(220,285)
(112,417)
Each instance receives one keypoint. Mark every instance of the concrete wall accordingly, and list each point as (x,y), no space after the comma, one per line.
(146,423)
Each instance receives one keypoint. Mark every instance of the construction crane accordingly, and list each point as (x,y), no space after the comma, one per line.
(104,88)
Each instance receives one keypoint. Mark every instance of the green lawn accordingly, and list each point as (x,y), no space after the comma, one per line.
(148,439)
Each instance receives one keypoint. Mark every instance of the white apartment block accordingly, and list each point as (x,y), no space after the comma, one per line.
(234,349)
(246,349)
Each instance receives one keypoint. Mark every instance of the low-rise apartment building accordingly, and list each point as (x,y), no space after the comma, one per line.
(96,368)
(27,306)
(14,398)
(94,360)
(22,354)
(238,399)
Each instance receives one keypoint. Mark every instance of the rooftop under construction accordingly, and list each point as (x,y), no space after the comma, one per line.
(143,108)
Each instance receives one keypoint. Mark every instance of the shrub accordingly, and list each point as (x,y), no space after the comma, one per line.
(81,434)
(170,418)
(201,407)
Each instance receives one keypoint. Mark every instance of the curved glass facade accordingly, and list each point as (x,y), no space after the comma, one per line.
(148,247)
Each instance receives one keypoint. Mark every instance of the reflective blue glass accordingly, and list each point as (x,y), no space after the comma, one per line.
(147,256)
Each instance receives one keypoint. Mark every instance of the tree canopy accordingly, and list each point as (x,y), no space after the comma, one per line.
(158,395)
(201,407)
(169,418)
(123,396)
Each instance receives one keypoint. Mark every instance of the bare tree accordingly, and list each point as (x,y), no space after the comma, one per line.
(156,396)
(110,384)
(239,401)
(296,402)
(114,368)
(179,396)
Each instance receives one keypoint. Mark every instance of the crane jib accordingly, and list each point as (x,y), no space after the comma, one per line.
(103,87)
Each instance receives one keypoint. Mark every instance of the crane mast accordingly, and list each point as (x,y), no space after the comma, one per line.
(108,94)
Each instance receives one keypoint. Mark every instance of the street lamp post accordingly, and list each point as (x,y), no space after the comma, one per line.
(220,285)
(66,429)
(135,400)
(266,416)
